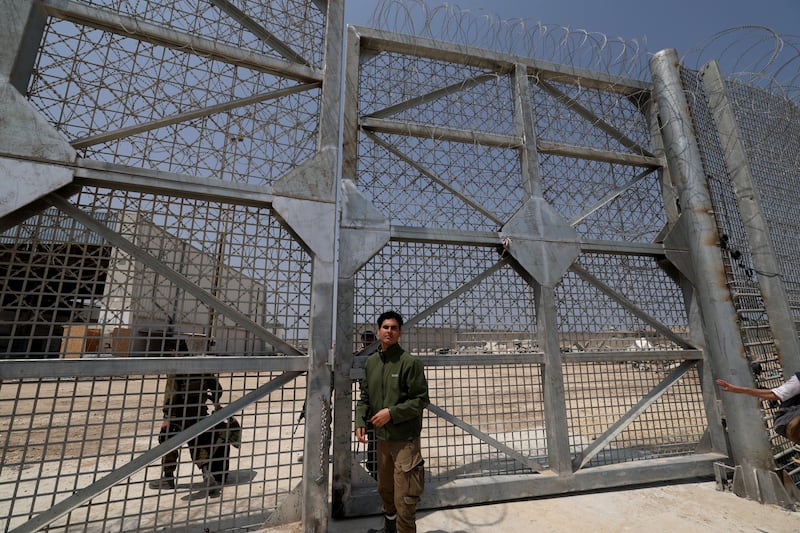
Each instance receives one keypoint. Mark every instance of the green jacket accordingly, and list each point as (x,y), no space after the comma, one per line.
(394,379)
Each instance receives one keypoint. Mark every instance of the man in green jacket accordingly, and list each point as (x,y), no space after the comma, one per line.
(394,393)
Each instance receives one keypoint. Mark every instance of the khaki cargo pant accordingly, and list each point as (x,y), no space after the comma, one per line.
(401,480)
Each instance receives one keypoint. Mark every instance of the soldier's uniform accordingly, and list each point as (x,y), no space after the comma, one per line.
(185,404)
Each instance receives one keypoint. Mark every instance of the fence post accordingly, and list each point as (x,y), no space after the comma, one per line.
(749,443)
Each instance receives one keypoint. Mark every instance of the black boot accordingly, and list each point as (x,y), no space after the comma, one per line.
(389,525)
(165,482)
(212,486)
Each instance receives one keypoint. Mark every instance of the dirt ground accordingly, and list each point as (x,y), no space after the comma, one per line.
(685,508)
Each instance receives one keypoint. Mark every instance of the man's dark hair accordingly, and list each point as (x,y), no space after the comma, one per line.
(387,315)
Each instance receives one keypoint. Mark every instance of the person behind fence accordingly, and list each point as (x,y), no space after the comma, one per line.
(787,418)
(394,394)
(185,404)
(367,338)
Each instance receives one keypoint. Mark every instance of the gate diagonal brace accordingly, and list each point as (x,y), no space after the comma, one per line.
(480,435)
(633,413)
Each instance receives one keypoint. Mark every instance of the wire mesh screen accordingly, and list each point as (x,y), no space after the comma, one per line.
(771,131)
(297,23)
(502,401)
(492,402)
(131,102)
(482,100)
(467,304)
(600,394)
(769,174)
(68,292)
(593,321)
(560,111)
(62,435)
(439,183)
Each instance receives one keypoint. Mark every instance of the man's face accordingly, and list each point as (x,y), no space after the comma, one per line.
(389,332)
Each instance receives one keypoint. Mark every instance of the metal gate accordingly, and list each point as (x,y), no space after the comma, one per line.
(545,229)
(169,174)
(513,210)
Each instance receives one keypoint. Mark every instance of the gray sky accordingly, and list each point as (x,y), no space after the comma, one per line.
(680,24)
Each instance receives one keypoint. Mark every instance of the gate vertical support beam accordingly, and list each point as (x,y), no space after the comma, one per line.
(555,407)
(318,421)
(755,224)
(749,443)
(341,482)
(363,232)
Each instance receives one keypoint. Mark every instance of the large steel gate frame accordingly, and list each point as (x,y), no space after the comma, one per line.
(303,199)
(536,244)
(545,247)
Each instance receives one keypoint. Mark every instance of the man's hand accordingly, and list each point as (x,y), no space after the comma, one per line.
(361,435)
(381,418)
(727,387)
(164,425)
(762,394)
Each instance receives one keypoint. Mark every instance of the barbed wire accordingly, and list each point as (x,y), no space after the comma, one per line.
(521,37)
(754,54)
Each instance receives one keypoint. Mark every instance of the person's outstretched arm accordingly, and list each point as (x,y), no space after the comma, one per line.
(764,394)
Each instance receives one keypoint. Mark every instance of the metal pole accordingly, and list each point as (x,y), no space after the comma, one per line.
(749,443)
(323,189)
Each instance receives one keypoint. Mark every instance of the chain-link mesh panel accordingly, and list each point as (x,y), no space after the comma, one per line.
(62,435)
(599,394)
(69,292)
(131,102)
(740,272)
